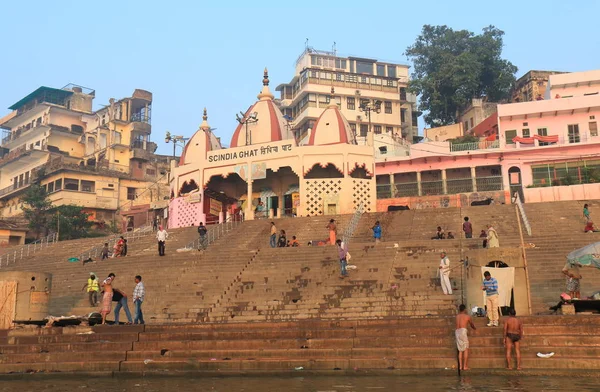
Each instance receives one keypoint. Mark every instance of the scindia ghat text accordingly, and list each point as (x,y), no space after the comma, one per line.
(248,153)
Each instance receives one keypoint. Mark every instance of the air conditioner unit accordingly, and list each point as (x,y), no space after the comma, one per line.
(357,92)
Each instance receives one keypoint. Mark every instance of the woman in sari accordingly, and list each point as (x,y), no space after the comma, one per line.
(118,248)
(332,231)
(492,237)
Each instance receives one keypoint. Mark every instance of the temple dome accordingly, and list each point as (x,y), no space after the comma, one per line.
(199,144)
(331,127)
(265,122)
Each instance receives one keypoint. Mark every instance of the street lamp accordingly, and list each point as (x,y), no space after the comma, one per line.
(244,120)
(368,107)
(175,140)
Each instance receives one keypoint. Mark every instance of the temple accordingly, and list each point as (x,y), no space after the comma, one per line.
(266,173)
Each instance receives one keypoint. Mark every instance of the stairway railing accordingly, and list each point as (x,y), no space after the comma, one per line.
(130,236)
(353,224)
(521,209)
(28,249)
(216,231)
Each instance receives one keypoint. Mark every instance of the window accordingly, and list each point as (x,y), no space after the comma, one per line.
(574,133)
(403,93)
(353,128)
(388,107)
(58,185)
(593,128)
(415,118)
(88,186)
(339,63)
(377,129)
(364,79)
(466,125)
(50,187)
(351,66)
(403,115)
(390,83)
(339,77)
(364,128)
(26,178)
(510,135)
(71,184)
(526,132)
(364,67)
(351,102)
(380,70)
(543,132)
(391,71)
(150,172)
(471,122)
(351,78)
(130,193)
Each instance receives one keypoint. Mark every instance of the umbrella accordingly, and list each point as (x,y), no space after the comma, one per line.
(587,256)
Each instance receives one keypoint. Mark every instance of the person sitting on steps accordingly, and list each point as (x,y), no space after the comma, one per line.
(439,234)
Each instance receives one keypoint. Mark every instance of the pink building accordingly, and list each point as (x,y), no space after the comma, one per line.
(546,150)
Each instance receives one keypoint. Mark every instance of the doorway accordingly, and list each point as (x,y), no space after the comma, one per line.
(515,183)
(274,205)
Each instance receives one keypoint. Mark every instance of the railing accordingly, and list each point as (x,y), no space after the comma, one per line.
(432,188)
(349,231)
(459,185)
(140,117)
(481,145)
(517,201)
(487,184)
(130,236)
(215,231)
(26,250)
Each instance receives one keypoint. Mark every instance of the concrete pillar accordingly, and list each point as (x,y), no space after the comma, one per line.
(474,178)
(249,208)
(392,186)
(221,217)
(419,188)
(444,182)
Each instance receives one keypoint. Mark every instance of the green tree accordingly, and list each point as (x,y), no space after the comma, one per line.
(453,67)
(73,222)
(35,208)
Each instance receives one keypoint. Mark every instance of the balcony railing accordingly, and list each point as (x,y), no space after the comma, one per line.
(461,185)
(481,145)
(428,188)
(487,184)
(140,117)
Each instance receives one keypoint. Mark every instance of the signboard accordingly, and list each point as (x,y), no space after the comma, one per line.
(215,207)
(252,151)
(295,202)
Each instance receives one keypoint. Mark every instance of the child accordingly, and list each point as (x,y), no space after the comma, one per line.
(105,251)
(124,251)
(450,235)
(295,242)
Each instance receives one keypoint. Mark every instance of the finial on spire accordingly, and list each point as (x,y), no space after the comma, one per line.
(332,90)
(204,126)
(265,94)
(204,116)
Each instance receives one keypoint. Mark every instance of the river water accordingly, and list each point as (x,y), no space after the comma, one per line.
(476,383)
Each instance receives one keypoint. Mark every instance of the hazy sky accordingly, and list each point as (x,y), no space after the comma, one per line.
(191,55)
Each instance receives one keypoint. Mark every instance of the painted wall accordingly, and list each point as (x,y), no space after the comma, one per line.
(562,193)
(442,201)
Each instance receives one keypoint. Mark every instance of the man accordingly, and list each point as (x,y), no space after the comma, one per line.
(93,289)
(573,277)
(161,236)
(467,228)
(121,299)
(490,286)
(139,292)
(513,333)
(107,296)
(463,320)
(343,256)
(105,251)
(445,274)
(377,232)
(202,230)
(155,224)
(273,238)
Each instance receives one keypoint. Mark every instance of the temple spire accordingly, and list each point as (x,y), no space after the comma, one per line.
(265,94)
(204,126)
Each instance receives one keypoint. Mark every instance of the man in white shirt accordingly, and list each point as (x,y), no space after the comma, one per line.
(161,236)
(139,292)
(445,274)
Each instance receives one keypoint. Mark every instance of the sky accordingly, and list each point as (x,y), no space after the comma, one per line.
(192,55)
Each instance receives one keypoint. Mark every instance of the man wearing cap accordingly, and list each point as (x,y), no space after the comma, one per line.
(93,288)
(445,274)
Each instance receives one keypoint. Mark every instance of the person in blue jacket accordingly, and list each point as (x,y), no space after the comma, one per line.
(377,232)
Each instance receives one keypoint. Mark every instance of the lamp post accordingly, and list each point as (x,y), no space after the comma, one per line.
(368,107)
(245,120)
(175,140)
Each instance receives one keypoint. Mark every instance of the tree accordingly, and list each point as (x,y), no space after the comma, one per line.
(73,222)
(35,209)
(453,67)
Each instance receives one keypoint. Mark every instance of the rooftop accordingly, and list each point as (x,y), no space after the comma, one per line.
(52,95)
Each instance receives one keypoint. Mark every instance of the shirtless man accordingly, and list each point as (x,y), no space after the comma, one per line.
(463,320)
(513,333)
(107,296)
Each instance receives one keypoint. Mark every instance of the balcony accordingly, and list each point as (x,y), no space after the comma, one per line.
(474,146)
(143,150)
(140,117)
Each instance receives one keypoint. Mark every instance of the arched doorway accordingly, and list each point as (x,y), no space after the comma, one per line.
(515,182)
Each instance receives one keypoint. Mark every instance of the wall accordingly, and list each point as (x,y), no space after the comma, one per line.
(33,293)
(442,201)
(441,134)
(562,193)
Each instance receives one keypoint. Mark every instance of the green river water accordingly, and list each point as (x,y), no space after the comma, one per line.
(308,384)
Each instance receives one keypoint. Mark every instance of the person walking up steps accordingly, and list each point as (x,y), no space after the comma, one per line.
(139,293)
(586,213)
(343,256)
(273,237)
(377,232)
(467,228)
(202,231)
(161,236)
(490,286)
(463,320)
(445,274)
